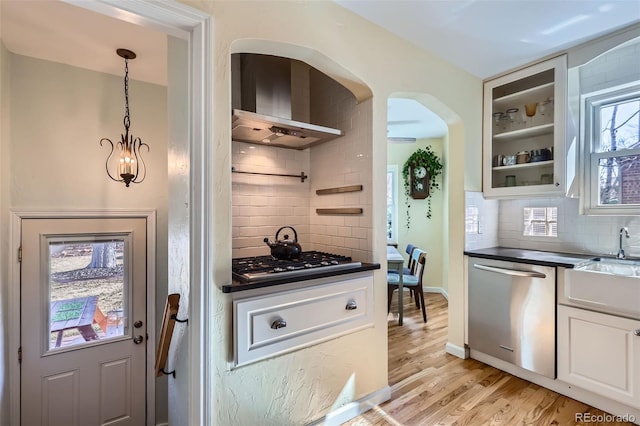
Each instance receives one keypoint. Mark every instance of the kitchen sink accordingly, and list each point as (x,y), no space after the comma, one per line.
(610,285)
(623,267)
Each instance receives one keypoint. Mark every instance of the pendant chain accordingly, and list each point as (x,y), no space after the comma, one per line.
(127,120)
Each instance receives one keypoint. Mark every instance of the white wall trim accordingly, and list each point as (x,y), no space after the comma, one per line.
(15,237)
(459,351)
(440,290)
(354,409)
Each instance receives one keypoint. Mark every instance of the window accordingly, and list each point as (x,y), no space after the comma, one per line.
(392,203)
(472,220)
(540,222)
(612,135)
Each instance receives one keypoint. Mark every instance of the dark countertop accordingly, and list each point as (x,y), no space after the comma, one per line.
(535,257)
(238,286)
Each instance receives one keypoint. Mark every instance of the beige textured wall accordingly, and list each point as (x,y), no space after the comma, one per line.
(5,126)
(300,387)
(57,116)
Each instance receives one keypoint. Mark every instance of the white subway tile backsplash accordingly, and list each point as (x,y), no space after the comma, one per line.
(344,231)
(576,233)
(261,204)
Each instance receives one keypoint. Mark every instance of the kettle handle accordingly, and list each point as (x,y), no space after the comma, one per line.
(295,234)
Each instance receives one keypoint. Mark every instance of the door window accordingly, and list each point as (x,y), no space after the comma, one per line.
(88,289)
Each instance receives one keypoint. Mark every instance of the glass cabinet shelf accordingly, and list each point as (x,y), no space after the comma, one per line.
(527,132)
(538,92)
(525,165)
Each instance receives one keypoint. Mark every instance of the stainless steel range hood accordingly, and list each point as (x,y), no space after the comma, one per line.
(263,88)
(268,130)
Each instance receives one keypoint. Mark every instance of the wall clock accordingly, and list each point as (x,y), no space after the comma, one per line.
(419,183)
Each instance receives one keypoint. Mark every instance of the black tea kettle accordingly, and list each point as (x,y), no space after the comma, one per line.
(285,249)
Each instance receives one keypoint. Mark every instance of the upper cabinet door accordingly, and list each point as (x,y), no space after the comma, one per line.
(524,132)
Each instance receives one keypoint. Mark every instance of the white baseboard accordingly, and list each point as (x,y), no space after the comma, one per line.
(582,395)
(440,290)
(459,351)
(354,409)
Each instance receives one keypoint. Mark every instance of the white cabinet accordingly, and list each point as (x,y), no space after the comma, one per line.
(524,132)
(265,326)
(600,353)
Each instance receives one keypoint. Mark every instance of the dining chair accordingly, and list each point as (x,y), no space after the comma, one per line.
(412,281)
(407,269)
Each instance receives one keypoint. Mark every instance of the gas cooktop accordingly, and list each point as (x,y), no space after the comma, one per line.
(267,268)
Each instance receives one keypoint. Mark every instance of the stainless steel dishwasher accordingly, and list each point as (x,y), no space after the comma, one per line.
(512,313)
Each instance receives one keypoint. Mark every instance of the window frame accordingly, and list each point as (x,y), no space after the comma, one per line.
(547,221)
(590,109)
(393,170)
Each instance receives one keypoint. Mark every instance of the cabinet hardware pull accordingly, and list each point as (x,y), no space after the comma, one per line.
(636,331)
(279,323)
(518,273)
(506,348)
(351,305)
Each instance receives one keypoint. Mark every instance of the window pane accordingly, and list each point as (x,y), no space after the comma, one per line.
(619,126)
(391,204)
(86,291)
(389,188)
(540,221)
(472,220)
(619,180)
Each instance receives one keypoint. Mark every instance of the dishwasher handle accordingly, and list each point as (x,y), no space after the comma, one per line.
(514,272)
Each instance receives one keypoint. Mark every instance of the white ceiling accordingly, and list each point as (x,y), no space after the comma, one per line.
(488,37)
(484,37)
(60,32)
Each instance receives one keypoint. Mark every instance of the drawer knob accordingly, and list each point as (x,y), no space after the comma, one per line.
(351,306)
(279,323)
(636,331)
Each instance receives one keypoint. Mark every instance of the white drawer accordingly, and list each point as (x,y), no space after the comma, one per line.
(265,326)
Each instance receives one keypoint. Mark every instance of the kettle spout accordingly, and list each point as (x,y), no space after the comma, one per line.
(269,243)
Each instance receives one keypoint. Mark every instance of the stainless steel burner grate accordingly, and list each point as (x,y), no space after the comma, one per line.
(267,268)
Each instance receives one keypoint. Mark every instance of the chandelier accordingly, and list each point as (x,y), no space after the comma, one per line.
(130,168)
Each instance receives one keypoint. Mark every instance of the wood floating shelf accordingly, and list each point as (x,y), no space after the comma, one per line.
(301,176)
(345,210)
(339,190)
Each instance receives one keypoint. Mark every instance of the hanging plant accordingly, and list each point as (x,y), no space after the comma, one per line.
(417,183)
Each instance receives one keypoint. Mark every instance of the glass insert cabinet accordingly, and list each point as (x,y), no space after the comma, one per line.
(524,131)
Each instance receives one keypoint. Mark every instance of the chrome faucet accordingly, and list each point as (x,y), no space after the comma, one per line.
(621,254)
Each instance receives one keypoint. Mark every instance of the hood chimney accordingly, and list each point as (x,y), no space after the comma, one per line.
(271,105)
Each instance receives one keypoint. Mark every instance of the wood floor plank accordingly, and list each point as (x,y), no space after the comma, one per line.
(431,387)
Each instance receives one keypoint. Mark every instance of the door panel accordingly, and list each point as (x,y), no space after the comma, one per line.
(82,281)
(60,399)
(114,397)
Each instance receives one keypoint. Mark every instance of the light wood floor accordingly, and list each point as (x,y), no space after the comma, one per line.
(431,387)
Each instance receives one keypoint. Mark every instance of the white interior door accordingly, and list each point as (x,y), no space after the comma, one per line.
(83,331)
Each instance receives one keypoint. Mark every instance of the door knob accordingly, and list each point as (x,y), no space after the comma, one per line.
(636,331)
(137,324)
(138,339)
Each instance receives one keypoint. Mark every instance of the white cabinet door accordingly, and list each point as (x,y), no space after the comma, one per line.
(524,132)
(600,353)
(266,326)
